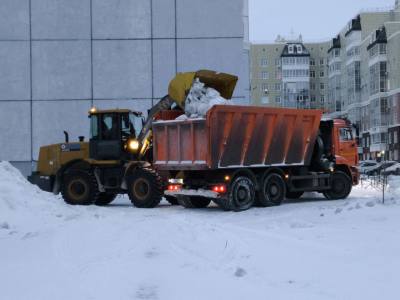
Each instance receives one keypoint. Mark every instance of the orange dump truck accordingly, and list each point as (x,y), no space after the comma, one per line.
(240,156)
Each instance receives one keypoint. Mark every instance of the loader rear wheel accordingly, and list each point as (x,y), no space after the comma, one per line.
(144,188)
(241,195)
(341,185)
(193,201)
(294,195)
(80,188)
(273,190)
(171,200)
(105,199)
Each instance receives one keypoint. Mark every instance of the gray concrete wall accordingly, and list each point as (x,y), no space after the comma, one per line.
(59,57)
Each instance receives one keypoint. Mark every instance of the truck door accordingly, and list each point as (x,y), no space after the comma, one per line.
(346,146)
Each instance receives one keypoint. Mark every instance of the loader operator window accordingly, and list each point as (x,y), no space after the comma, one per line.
(131,125)
(94,128)
(346,134)
(109,127)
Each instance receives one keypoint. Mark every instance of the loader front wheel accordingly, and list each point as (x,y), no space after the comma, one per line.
(144,188)
(80,188)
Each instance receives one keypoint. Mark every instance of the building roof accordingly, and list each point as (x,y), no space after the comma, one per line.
(294,46)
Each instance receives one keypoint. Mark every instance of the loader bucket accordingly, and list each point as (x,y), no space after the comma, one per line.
(224,83)
(180,86)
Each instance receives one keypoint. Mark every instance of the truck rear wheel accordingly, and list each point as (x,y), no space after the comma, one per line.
(193,201)
(80,188)
(144,188)
(341,186)
(105,199)
(241,194)
(273,190)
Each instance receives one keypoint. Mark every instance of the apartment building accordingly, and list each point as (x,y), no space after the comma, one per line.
(289,73)
(355,75)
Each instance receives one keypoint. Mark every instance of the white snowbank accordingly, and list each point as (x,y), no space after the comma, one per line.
(201,98)
(16,191)
(309,249)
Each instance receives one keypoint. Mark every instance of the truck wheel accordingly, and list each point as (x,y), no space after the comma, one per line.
(273,190)
(341,187)
(294,195)
(171,200)
(241,195)
(193,201)
(105,199)
(80,188)
(144,188)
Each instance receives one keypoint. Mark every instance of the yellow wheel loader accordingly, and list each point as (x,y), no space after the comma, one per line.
(117,159)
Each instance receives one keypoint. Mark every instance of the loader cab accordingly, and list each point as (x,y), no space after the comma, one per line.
(114,133)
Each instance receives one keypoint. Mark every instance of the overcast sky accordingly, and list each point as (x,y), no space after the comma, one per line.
(314,19)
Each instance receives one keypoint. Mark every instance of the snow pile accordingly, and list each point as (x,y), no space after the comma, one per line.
(394,186)
(201,98)
(18,197)
(310,249)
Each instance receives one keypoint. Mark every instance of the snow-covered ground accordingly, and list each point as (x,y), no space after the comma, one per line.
(309,249)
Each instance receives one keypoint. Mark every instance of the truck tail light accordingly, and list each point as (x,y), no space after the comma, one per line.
(221,189)
(174,187)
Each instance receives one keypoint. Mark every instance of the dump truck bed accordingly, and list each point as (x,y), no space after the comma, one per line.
(234,136)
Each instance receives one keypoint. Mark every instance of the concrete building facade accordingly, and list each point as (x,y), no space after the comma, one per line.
(60,57)
(358,78)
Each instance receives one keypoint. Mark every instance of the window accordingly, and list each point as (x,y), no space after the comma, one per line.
(345,134)
(94,127)
(321,61)
(312,86)
(291,49)
(278,86)
(109,127)
(265,100)
(264,75)
(322,98)
(322,74)
(382,48)
(395,138)
(322,86)
(264,62)
(312,62)
(312,74)
(264,88)
(312,98)
(277,62)
(299,49)
(278,99)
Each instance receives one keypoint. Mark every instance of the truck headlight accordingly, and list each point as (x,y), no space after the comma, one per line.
(133,145)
